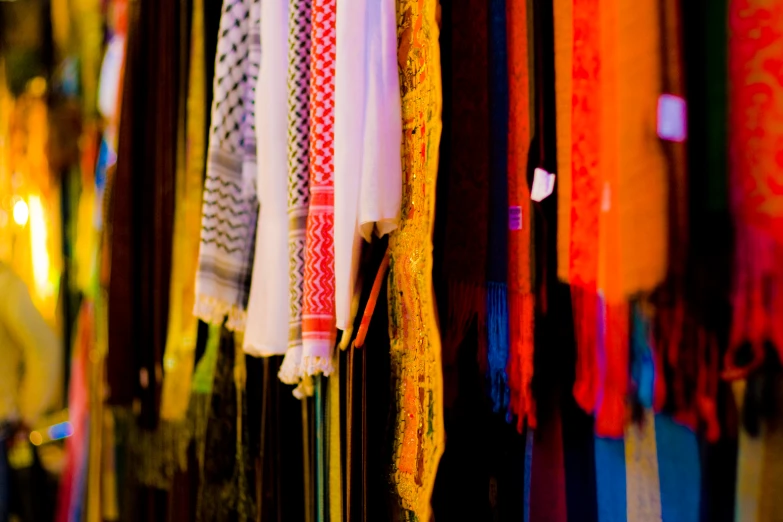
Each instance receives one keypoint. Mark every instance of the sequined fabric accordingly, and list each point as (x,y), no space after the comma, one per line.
(413,329)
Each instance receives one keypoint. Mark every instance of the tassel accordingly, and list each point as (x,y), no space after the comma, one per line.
(497,344)
(520,358)
(610,417)
(466,303)
(585,310)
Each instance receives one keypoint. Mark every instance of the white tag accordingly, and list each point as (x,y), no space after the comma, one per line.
(606,198)
(543,184)
(672,118)
(515,218)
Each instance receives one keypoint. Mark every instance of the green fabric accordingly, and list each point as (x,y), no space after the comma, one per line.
(204,375)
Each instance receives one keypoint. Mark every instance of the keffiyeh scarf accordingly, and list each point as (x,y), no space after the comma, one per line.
(318,317)
(230,209)
(299,44)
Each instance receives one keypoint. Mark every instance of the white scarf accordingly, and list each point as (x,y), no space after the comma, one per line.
(268,312)
(368,137)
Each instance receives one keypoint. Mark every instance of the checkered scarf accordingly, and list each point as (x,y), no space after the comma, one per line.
(230,208)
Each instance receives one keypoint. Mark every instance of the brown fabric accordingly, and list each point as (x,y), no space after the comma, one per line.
(142,217)
(467,204)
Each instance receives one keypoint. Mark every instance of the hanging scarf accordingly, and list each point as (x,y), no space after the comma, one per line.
(418,384)
(318,319)
(267,332)
(71,492)
(755,104)
(610,479)
(521,300)
(679,470)
(367,137)
(121,364)
(750,463)
(467,206)
(756,38)
(226,490)
(229,212)
(564,48)
(497,268)
(547,478)
(178,358)
(770,503)
(585,190)
(642,182)
(299,44)
(143,212)
(642,482)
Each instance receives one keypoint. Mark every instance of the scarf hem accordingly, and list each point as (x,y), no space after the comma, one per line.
(213,311)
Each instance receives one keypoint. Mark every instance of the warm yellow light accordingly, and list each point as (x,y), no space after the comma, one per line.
(36,438)
(38,244)
(21,213)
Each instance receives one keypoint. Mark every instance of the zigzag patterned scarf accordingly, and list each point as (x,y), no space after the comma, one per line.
(318,312)
(299,44)
(230,209)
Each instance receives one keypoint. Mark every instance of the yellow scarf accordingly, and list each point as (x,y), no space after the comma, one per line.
(413,326)
(181,341)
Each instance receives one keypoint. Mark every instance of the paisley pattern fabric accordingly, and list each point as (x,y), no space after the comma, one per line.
(756,178)
(413,329)
(756,112)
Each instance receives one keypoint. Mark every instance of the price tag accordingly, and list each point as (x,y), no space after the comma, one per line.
(515,218)
(543,185)
(672,118)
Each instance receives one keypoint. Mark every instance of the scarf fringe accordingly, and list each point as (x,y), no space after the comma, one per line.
(611,412)
(585,310)
(304,389)
(467,302)
(520,360)
(497,344)
(291,369)
(214,311)
(157,454)
(313,365)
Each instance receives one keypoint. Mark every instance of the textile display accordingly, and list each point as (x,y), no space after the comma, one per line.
(308,262)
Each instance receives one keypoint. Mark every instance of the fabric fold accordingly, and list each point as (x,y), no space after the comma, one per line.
(367,138)
(268,326)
